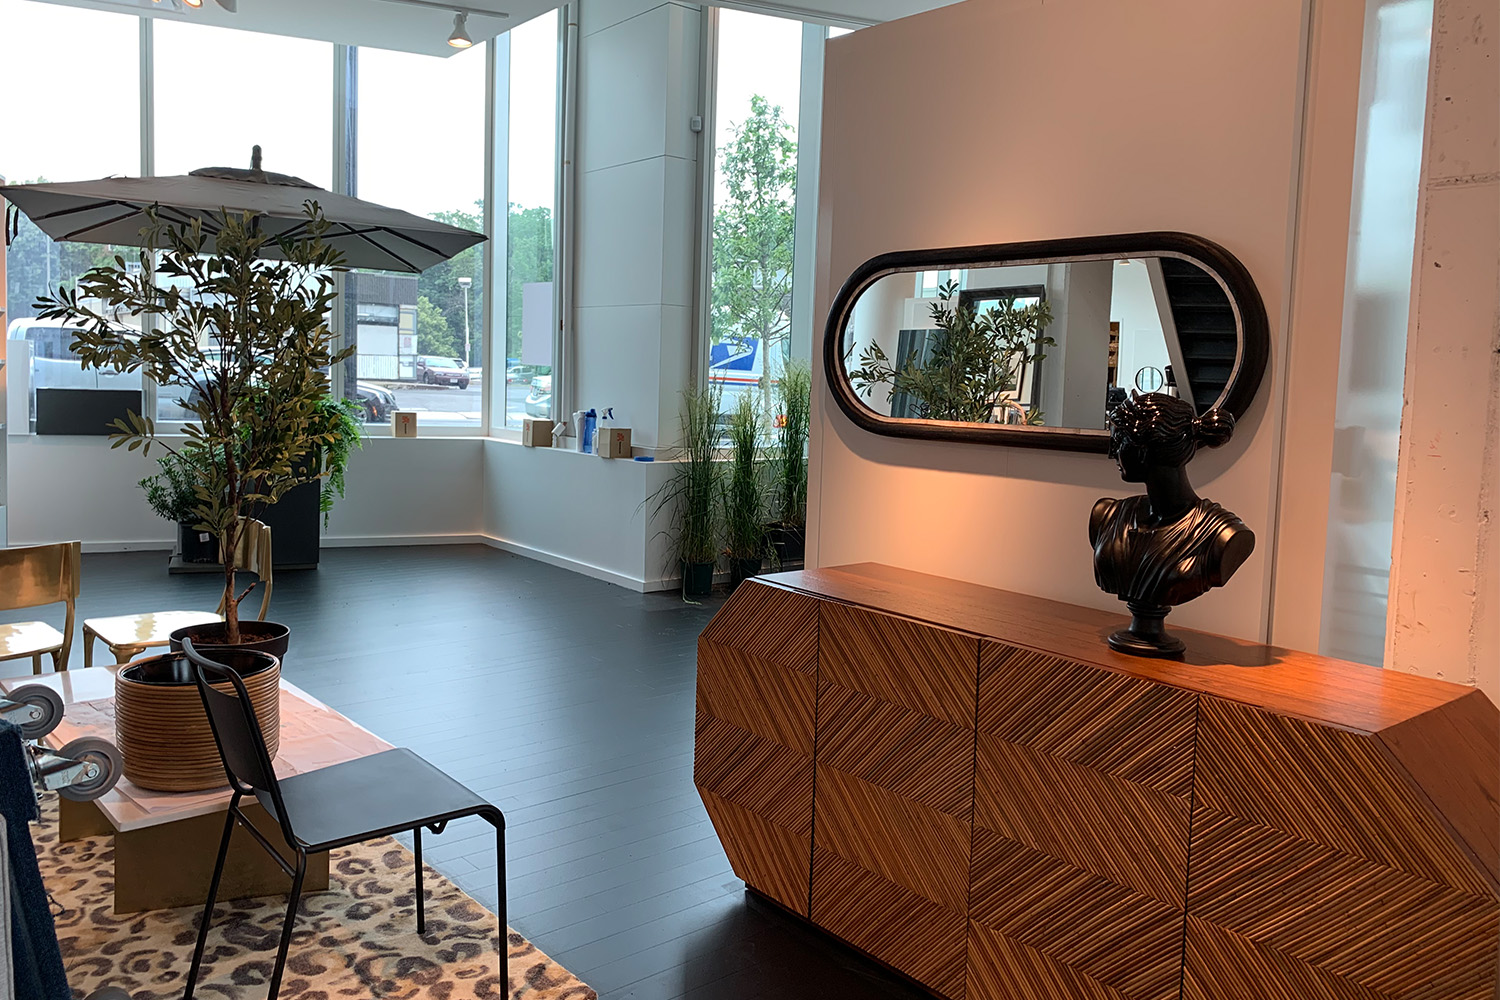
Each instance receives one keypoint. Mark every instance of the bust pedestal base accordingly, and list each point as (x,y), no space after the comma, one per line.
(1147,634)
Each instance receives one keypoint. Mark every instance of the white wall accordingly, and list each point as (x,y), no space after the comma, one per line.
(411,490)
(398,492)
(1208,144)
(1445,572)
(577,511)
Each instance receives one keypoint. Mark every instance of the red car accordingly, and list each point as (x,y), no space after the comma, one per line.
(442,371)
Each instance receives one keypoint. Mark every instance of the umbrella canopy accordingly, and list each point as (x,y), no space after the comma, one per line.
(113,210)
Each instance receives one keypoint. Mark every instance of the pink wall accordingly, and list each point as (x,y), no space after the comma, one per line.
(1072,118)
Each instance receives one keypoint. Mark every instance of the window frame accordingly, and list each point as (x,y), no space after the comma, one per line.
(343,135)
(815,35)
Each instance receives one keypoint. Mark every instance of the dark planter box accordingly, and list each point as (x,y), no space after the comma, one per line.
(197,547)
(296,526)
(697,579)
(296,533)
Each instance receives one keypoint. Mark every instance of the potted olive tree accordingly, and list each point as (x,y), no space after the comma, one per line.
(975,364)
(237,320)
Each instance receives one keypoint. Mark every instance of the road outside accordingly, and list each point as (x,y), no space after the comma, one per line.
(436,404)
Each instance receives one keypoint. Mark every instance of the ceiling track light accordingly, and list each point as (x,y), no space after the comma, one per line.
(460,39)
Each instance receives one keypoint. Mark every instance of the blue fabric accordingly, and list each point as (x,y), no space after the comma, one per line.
(33,937)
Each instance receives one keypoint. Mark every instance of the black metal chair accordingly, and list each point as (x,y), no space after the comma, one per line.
(332,807)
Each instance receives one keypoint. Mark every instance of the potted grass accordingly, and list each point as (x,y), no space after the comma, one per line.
(690,493)
(237,321)
(744,494)
(788,491)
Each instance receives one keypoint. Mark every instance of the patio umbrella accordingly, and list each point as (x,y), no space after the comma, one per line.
(113,210)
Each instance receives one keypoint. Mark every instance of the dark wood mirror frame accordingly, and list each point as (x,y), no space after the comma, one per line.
(1249,370)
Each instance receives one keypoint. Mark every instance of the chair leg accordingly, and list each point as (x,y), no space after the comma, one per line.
(208,908)
(57,663)
(286,928)
(500,904)
(88,647)
(36,663)
(417,850)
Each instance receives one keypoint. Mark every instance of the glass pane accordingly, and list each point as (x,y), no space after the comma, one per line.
(64,138)
(529,321)
(279,97)
(421,149)
(288,114)
(755,185)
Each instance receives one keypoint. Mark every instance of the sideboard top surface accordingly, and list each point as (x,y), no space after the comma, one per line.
(1283,681)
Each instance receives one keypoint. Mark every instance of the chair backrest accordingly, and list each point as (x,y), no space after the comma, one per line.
(252,553)
(237,733)
(33,575)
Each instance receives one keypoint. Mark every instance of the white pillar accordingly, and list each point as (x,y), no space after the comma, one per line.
(637,211)
(1444,617)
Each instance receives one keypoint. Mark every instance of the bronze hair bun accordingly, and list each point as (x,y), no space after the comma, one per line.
(1214,428)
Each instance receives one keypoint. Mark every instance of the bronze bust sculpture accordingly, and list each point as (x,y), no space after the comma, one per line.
(1169,546)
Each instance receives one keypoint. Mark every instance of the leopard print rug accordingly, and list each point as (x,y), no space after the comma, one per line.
(356,941)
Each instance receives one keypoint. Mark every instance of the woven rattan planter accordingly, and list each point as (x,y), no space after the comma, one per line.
(160,726)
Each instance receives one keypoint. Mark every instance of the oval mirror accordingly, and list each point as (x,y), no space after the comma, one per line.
(1031,343)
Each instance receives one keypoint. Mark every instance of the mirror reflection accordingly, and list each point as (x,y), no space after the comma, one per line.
(1046,344)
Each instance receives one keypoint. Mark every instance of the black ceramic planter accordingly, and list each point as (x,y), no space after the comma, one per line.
(196,546)
(264,637)
(697,579)
(741,570)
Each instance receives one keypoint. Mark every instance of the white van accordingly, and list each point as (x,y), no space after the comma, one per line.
(55,366)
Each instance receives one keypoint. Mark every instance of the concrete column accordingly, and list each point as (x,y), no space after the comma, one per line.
(636,213)
(1444,617)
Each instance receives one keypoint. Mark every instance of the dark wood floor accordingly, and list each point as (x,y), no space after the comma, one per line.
(569,703)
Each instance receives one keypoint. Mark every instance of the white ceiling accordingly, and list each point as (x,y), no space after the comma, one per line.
(381,24)
(390,24)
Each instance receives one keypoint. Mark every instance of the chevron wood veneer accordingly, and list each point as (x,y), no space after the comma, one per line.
(1311,847)
(753,757)
(971,787)
(895,789)
(1082,807)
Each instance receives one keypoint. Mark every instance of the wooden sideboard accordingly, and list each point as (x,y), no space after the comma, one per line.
(971,787)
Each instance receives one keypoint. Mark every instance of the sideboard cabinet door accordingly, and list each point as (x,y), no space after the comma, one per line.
(1083,793)
(753,750)
(895,790)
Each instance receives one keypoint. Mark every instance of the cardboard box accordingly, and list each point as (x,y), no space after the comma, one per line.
(536,432)
(404,423)
(613,442)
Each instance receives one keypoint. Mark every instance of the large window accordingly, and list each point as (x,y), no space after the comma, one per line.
(289,115)
(759,88)
(421,149)
(65,119)
(279,96)
(529,321)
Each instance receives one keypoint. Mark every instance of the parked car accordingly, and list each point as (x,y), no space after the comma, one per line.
(539,403)
(520,373)
(378,403)
(441,371)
